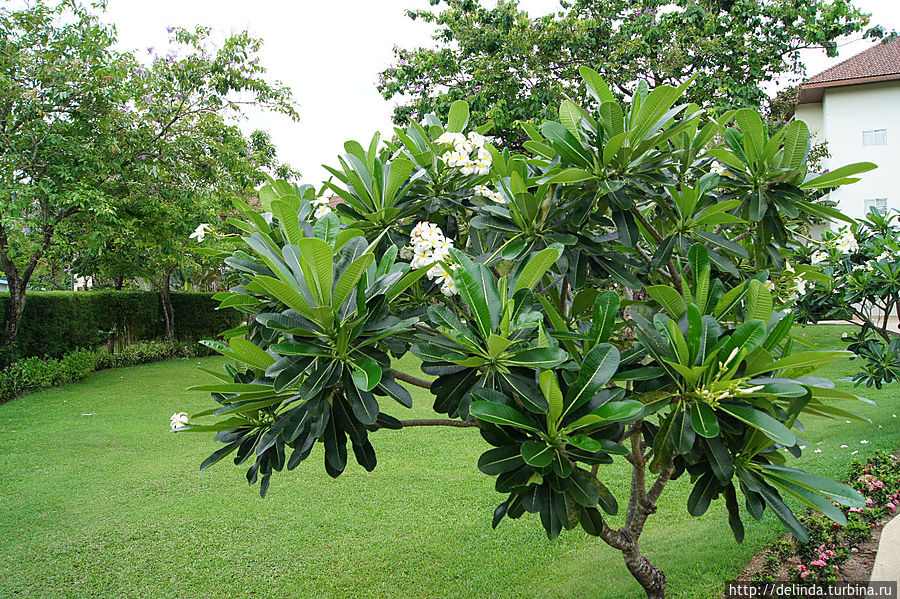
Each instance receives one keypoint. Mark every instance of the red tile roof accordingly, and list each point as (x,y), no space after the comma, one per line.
(881,62)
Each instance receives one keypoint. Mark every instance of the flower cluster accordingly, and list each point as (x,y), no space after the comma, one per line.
(430,247)
(468,154)
(487,192)
(178,420)
(322,207)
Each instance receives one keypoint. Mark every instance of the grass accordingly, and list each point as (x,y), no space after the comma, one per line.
(111,504)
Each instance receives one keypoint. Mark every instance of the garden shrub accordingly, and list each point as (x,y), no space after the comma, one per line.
(35,373)
(57,322)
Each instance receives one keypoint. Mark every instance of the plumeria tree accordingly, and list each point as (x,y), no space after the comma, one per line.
(600,296)
(861,284)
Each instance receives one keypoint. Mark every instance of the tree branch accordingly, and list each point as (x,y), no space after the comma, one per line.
(407,378)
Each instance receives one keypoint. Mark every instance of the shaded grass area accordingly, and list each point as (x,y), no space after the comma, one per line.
(112,504)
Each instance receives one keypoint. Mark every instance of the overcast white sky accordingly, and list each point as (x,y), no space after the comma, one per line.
(330,52)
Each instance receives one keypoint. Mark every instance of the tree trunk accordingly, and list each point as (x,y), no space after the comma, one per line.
(13,316)
(649,576)
(168,312)
(119,281)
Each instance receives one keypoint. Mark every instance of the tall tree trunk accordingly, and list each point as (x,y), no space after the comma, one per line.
(168,312)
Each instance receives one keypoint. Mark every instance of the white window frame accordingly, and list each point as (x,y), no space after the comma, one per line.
(880,203)
(875,137)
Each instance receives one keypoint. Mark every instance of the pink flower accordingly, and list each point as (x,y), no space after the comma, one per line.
(818,563)
(869,501)
(803,575)
(892,506)
(801,567)
(879,484)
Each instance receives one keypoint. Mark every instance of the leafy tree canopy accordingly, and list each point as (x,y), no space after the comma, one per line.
(512,67)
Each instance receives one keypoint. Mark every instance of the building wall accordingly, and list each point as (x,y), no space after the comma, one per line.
(846,113)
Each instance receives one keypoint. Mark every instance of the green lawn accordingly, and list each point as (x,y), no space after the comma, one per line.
(112,504)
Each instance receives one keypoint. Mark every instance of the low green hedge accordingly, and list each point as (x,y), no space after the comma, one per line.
(35,373)
(57,322)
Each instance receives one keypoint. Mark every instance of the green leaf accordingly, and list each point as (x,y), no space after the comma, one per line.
(668,298)
(759,301)
(553,394)
(476,286)
(598,367)
(701,495)
(535,268)
(458,117)
(704,420)
(363,403)
(614,411)
(537,454)
(327,228)
(500,460)
(349,278)
(496,413)
(796,145)
(581,486)
(762,421)
(251,354)
(719,459)
(838,176)
(318,255)
(831,489)
(606,306)
(367,373)
(596,85)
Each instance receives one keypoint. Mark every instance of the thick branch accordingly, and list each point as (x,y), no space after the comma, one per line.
(439,422)
(407,378)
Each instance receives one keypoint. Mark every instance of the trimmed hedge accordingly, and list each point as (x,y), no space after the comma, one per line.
(34,373)
(57,322)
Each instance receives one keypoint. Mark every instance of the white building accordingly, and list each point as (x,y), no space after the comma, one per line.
(855,107)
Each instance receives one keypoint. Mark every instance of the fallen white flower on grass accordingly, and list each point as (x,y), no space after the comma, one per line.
(844,446)
(854,452)
(864,442)
(818,451)
(200,232)
(178,420)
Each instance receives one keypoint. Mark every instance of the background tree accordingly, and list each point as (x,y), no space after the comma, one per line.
(86,128)
(511,67)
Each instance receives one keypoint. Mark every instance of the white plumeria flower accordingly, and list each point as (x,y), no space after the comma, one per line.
(200,232)
(770,285)
(497,197)
(717,168)
(482,190)
(788,267)
(818,257)
(451,138)
(818,451)
(464,147)
(178,420)
(864,442)
(854,452)
(477,139)
(844,446)
(322,211)
(801,285)
(449,289)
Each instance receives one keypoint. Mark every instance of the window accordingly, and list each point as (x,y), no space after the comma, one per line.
(879,203)
(876,137)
